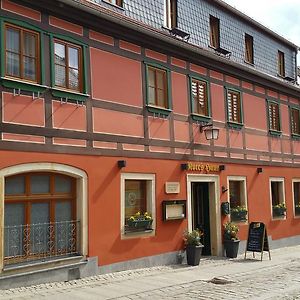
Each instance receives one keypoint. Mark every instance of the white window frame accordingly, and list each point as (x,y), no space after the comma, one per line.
(150,178)
(167,13)
(244,202)
(294,209)
(277,179)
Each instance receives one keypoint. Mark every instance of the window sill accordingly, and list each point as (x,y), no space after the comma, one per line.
(159,110)
(281,75)
(114,5)
(43,264)
(212,47)
(295,136)
(66,94)
(166,27)
(138,234)
(241,222)
(279,218)
(22,85)
(201,118)
(275,133)
(234,125)
(249,63)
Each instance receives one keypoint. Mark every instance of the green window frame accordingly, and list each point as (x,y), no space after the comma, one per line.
(66,92)
(155,88)
(200,99)
(21,82)
(234,103)
(274,118)
(295,121)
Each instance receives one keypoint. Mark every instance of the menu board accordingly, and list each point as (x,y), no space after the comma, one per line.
(257,238)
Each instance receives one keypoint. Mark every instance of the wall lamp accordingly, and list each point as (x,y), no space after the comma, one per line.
(259,170)
(210,132)
(184,167)
(121,164)
(222,167)
(224,189)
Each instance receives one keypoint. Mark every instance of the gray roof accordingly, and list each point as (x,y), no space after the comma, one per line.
(255,23)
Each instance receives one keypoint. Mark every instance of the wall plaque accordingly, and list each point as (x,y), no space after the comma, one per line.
(172,188)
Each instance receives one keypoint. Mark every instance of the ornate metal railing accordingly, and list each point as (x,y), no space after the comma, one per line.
(40,241)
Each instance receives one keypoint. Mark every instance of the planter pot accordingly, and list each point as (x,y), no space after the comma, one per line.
(193,254)
(239,216)
(140,224)
(278,212)
(231,248)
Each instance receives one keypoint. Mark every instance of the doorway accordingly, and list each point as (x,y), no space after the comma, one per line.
(200,213)
(204,212)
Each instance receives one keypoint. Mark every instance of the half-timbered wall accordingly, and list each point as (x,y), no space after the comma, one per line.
(111,122)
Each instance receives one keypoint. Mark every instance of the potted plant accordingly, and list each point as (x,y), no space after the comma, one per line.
(225,208)
(140,221)
(239,213)
(279,210)
(231,240)
(193,245)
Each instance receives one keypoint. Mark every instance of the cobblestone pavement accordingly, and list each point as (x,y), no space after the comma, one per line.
(215,278)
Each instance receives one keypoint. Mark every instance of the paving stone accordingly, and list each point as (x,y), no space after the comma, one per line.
(252,279)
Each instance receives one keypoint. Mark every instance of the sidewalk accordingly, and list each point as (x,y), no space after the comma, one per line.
(214,278)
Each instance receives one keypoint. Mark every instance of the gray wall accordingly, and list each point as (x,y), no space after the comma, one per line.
(193,18)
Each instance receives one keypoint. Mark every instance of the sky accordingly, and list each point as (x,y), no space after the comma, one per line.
(281,16)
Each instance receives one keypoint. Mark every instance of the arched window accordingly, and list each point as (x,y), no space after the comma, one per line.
(39,216)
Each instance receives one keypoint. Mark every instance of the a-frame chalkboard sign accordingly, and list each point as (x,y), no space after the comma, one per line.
(257,239)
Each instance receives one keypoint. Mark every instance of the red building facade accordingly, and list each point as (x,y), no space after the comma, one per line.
(101,119)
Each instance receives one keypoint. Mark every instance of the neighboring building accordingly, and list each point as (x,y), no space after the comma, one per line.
(105,112)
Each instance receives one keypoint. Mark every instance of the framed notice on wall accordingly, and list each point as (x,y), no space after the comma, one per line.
(174,210)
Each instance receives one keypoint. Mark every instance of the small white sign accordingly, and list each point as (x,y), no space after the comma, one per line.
(172,187)
(175,211)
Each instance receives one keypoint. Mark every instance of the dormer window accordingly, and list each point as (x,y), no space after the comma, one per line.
(281,64)
(116,2)
(214,24)
(249,57)
(171,13)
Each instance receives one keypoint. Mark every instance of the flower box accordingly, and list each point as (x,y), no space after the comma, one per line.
(239,215)
(140,224)
(279,211)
